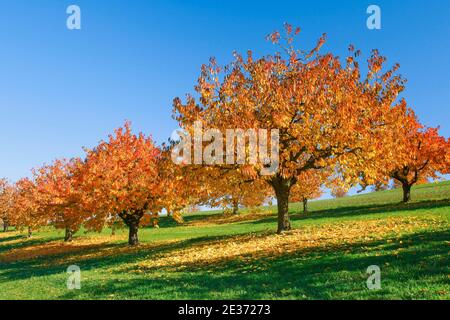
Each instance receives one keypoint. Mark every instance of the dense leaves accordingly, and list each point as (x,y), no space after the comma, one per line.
(411,154)
(59,195)
(6,203)
(121,179)
(328,114)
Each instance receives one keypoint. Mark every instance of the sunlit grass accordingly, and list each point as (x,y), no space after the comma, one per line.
(213,256)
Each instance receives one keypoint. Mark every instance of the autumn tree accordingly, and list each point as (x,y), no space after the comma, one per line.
(339,192)
(59,194)
(27,211)
(6,203)
(121,178)
(181,189)
(410,154)
(308,187)
(243,194)
(326,112)
(231,190)
(420,154)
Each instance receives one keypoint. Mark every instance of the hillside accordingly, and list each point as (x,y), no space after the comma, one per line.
(216,256)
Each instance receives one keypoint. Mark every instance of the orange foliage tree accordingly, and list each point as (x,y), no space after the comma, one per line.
(410,154)
(339,192)
(308,187)
(181,190)
(231,191)
(327,113)
(121,178)
(27,210)
(59,195)
(6,203)
(420,154)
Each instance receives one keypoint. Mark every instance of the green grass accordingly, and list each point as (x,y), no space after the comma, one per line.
(414,265)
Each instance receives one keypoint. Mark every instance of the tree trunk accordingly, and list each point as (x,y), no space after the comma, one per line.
(132,221)
(305,205)
(133,235)
(113,229)
(69,235)
(406,192)
(29,232)
(5,225)
(282,189)
(235,207)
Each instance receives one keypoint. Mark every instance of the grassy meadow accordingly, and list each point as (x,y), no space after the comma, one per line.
(217,256)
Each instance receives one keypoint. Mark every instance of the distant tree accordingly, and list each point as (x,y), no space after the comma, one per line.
(308,187)
(410,154)
(423,158)
(182,190)
(339,192)
(59,195)
(338,183)
(6,203)
(231,191)
(27,210)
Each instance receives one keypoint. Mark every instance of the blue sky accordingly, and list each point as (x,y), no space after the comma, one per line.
(63,89)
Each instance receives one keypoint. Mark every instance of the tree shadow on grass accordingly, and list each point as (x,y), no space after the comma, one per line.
(28,242)
(311,273)
(165,222)
(10,237)
(353,211)
(336,272)
(297,214)
(89,257)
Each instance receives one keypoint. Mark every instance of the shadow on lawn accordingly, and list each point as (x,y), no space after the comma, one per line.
(28,242)
(345,211)
(338,272)
(314,273)
(360,210)
(5,237)
(89,257)
(165,222)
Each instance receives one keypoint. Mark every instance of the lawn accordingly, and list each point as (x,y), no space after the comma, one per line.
(216,256)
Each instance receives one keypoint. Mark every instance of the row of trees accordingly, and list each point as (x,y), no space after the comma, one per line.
(126,178)
(338,128)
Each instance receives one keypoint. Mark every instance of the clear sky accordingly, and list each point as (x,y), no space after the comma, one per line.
(63,89)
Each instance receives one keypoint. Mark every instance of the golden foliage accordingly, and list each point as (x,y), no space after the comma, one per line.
(255,246)
(51,248)
(327,112)
(120,178)
(308,186)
